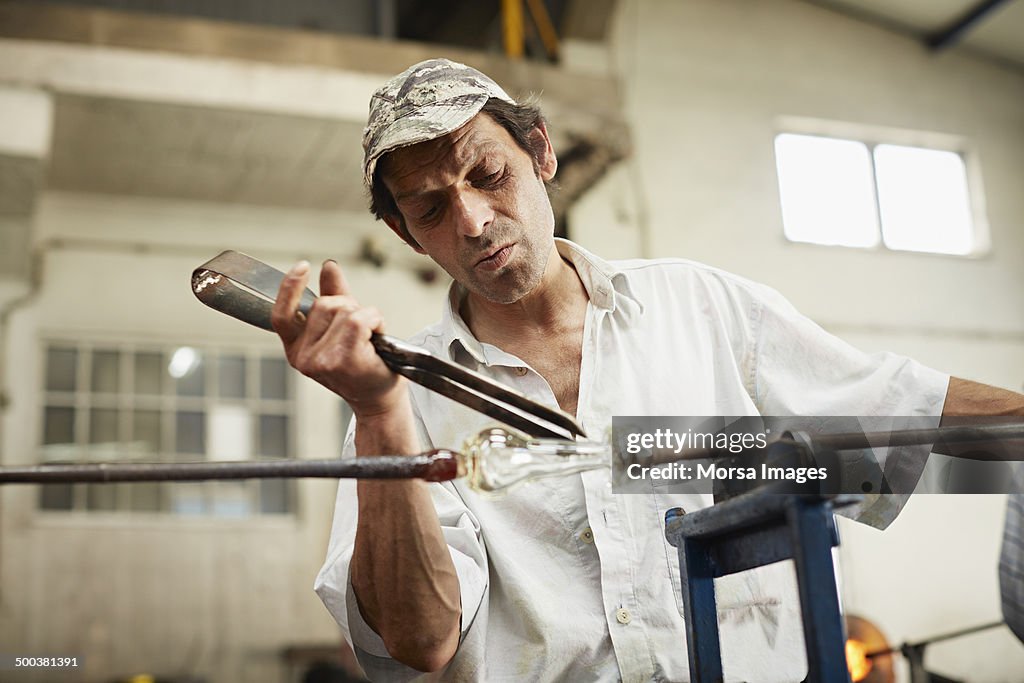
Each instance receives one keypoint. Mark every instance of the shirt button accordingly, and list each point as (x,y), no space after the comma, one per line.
(587,535)
(622,616)
(521,371)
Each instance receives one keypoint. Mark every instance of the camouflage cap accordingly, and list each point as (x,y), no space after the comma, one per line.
(424,102)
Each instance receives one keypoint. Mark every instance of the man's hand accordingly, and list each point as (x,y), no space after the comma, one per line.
(332,345)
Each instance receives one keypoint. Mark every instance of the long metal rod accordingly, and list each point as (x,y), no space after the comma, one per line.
(910,437)
(846,441)
(936,639)
(438,465)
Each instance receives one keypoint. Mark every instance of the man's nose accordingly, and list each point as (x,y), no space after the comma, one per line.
(473,212)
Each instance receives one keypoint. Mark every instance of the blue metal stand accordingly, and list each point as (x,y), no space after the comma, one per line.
(750,531)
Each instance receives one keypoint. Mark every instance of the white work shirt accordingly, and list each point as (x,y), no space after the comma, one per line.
(563,580)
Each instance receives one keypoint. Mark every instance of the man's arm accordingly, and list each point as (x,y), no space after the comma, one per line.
(401,571)
(967,399)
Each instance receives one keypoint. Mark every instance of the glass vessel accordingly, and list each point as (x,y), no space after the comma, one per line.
(497,459)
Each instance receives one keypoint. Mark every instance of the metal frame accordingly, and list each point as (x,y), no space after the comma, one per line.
(750,531)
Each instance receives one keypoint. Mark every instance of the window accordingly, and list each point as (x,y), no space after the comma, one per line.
(122,403)
(850,193)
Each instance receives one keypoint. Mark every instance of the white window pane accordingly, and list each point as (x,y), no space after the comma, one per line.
(146,432)
(56,497)
(58,425)
(145,497)
(230,433)
(102,496)
(231,499)
(187,367)
(103,426)
(190,432)
(105,371)
(186,498)
(922,195)
(274,436)
(275,495)
(273,378)
(61,366)
(827,191)
(231,374)
(149,371)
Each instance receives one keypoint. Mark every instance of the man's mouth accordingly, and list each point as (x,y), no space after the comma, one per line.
(496,259)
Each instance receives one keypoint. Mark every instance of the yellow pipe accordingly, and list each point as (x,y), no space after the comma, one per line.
(548,35)
(512,28)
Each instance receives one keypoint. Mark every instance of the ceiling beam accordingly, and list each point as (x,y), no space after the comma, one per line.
(904,29)
(950,34)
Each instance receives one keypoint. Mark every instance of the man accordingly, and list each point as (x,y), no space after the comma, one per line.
(560,579)
(1011,560)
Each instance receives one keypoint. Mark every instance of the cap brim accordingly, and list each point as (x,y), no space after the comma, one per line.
(426,123)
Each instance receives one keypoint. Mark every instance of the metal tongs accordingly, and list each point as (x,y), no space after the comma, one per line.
(244,288)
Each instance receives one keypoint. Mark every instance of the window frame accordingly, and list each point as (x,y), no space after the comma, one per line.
(83,399)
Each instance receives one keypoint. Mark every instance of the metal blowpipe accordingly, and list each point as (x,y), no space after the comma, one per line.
(494,460)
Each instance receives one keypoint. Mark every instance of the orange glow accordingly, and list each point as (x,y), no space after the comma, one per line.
(857,661)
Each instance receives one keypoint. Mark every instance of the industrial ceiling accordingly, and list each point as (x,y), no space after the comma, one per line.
(988,28)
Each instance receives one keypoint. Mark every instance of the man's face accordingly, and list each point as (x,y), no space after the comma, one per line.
(476,204)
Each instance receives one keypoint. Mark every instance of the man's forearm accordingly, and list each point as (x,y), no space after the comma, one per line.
(402,571)
(967,399)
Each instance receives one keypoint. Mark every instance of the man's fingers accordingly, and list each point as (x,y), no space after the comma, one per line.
(369,317)
(325,310)
(351,329)
(283,316)
(332,279)
(331,344)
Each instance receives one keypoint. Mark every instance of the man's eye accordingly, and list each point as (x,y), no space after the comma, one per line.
(492,179)
(430,213)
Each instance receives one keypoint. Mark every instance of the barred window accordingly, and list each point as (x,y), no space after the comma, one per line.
(124,403)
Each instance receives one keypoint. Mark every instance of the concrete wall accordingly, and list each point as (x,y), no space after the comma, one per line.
(707,86)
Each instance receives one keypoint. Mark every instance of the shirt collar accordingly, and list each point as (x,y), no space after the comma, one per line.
(607,286)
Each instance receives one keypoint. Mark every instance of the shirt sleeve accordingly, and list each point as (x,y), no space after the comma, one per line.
(1011,562)
(333,584)
(800,369)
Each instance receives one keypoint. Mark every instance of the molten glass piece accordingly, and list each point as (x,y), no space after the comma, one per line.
(497,459)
